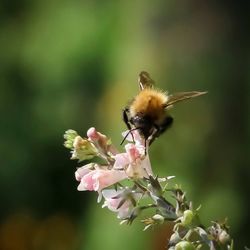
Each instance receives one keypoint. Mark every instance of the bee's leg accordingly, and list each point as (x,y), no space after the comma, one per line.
(146,145)
(154,135)
(166,124)
(125,118)
(160,129)
(126,121)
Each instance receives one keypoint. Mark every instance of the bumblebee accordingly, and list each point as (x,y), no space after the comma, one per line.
(148,111)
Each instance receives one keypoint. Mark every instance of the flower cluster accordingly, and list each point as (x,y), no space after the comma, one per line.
(125,180)
(109,167)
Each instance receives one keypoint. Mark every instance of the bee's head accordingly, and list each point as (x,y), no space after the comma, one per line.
(144,124)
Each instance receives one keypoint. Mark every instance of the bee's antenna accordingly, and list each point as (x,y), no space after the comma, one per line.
(129,132)
(125,137)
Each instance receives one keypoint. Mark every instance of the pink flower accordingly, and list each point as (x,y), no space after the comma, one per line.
(135,163)
(101,141)
(97,179)
(112,201)
(80,172)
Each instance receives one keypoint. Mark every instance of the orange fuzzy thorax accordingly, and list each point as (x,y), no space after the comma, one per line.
(149,102)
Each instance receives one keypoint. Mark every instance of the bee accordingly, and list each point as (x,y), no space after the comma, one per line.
(148,112)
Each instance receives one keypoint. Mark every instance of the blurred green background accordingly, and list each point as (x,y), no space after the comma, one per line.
(74,64)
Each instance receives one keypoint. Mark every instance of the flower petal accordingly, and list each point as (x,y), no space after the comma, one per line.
(121,160)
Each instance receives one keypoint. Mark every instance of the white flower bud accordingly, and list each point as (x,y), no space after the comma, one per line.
(224,237)
(158,218)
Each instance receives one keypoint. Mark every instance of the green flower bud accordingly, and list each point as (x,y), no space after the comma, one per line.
(184,245)
(70,134)
(69,137)
(187,217)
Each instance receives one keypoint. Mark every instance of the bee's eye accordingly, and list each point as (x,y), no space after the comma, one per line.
(137,120)
(141,121)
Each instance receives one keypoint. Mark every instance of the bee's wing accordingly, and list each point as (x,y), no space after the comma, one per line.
(181,96)
(145,80)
